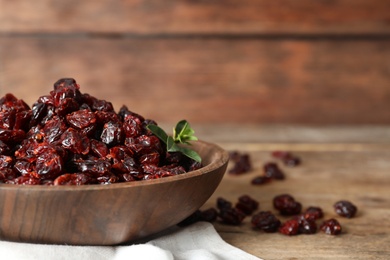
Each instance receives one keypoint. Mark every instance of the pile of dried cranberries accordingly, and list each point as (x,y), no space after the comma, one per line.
(70,138)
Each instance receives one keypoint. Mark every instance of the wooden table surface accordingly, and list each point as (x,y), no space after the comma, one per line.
(335,165)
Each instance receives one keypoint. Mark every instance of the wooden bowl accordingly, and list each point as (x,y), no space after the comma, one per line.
(108,214)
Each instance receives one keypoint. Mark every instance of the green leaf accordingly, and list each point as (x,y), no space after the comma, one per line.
(159,132)
(179,128)
(171,145)
(190,153)
(182,134)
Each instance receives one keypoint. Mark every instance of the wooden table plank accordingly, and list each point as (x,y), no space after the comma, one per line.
(323,178)
(237,81)
(196,17)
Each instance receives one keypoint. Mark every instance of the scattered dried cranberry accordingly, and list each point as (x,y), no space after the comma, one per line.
(209,215)
(331,227)
(287,205)
(272,170)
(287,158)
(259,180)
(290,227)
(223,204)
(247,204)
(242,163)
(307,226)
(231,216)
(313,213)
(345,208)
(266,221)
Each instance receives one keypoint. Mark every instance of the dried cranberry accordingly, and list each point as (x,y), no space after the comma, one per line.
(209,215)
(331,227)
(124,111)
(151,158)
(48,165)
(23,167)
(73,179)
(313,213)
(290,227)
(272,170)
(287,205)
(24,180)
(64,90)
(345,208)
(112,134)
(247,204)
(4,148)
(132,126)
(99,148)
(259,180)
(72,140)
(81,119)
(11,136)
(223,204)
(242,163)
(96,168)
(7,175)
(6,162)
(307,226)
(53,129)
(231,216)
(194,165)
(266,221)
(287,158)
(107,178)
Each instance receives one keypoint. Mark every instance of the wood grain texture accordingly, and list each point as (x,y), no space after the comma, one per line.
(211,80)
(108,214)
(324,177)
(197,17)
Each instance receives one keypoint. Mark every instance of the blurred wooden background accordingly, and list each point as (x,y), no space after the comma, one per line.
(250,61)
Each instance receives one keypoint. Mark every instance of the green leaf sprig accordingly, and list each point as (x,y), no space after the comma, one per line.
(182,134)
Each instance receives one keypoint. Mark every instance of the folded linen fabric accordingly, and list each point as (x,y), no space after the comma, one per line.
(196,242)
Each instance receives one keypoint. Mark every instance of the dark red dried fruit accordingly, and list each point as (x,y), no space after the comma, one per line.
(247,204)
(345,208)
(95,168)
(259,180)
(223,204)
(81,119)
(242,163)
(287,158)
(73,179)
(24,180)
(266,221)
(290,227)
(287,205)
(231,216)
(331,227)
(49,164)
(272,170)
(313,213)
(307,226)
(209,215)
(70,138)
(112,134)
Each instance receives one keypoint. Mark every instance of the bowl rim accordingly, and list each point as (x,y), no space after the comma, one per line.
(213,165)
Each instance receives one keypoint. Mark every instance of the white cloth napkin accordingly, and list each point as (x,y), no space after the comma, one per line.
(196,242)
